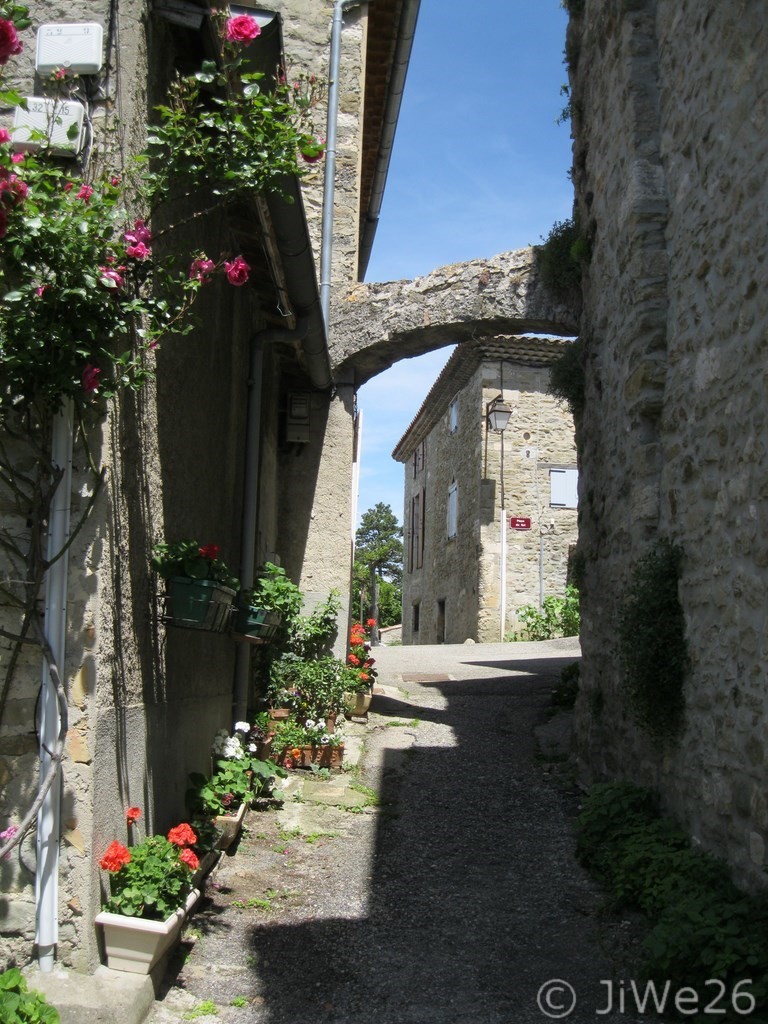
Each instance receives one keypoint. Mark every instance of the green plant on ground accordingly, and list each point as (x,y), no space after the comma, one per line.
(20,1005)
(205,1009)
(238,1001)
(558,617)
(703,928)
(565,693)
(652,648)
(372,798)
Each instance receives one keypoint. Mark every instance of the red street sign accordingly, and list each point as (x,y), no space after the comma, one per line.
(519,523)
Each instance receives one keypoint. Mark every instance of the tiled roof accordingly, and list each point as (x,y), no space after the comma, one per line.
(514,350)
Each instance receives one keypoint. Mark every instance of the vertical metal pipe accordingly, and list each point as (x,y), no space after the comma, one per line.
(48,819)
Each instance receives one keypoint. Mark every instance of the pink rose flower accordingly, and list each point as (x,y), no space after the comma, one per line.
(85,193)
(242,29)
(68,186)
(10,44)
(17,158)
(237,271)
(139,233)
(5,135)
(90,378)
(110,278)
(139,251)
(201,269)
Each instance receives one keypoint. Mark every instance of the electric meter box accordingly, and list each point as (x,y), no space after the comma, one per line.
(54,123)
(76,48)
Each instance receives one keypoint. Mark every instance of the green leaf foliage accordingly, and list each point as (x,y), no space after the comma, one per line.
(19,1005)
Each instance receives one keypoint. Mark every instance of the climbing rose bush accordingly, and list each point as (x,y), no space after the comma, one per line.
(84,297)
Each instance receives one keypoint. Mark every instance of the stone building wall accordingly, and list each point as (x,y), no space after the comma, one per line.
(448,576)
(670,135)
(464,573)
(539,436)
(145,699)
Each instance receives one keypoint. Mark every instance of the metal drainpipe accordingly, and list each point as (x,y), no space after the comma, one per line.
(48,819)
(329,185)
(251,493)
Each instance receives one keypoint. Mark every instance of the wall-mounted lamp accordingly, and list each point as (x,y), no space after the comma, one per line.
(497,415)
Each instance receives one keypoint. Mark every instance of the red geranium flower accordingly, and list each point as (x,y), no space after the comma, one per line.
(133,814)
(115,856)
(371,622)
(182,835)
(210,551)
(190,858)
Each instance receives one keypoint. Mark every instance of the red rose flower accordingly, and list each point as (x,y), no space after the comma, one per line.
(209,551)
(182,835)
(139,251)
(132,815)
(115,856)
(85,193)
(242,29)
(371,622)
(190,858)
(10,44)
(90,378)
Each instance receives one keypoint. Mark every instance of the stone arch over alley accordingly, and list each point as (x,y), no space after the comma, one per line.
(376,325)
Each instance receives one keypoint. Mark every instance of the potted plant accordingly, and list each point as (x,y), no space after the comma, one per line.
(262,609)
(360,671)
(151,893)
(200,587)
(303,743)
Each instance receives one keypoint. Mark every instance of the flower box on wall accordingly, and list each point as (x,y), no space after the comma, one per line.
(255,625)
(198,604)
(322,756)
(134,944)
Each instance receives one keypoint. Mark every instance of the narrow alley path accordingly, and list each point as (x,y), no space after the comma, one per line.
(441,890)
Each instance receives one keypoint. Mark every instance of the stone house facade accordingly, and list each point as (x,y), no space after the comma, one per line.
(669,122)
(145,699)
(489,518)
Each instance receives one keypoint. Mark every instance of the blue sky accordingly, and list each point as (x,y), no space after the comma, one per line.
(479,167)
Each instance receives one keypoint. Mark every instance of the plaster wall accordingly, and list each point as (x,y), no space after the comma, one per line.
(670,132)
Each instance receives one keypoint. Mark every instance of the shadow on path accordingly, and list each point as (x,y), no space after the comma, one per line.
(475,898)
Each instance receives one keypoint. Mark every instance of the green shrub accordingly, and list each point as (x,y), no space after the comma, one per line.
(558,617)
(20,1006)
(561,257)
(651,642)
(703,927)
(566,377)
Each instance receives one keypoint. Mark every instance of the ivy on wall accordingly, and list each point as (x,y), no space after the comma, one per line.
(652,646)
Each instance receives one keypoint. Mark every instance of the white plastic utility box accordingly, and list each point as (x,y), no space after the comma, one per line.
(77,48)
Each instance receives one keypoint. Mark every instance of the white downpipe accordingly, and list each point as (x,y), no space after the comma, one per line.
(503,575)
(55,624)
(356,473)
